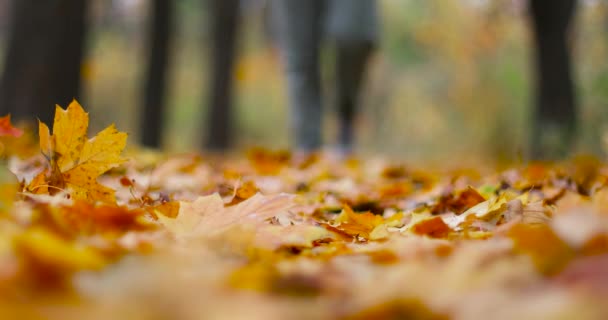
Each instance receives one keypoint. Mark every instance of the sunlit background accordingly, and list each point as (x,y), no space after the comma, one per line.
(451,77)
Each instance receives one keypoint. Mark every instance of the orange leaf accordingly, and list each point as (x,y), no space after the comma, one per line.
(7,129)
(548,252)
(434,227)
(87,218)
(243,192)
(358,224)
(458,204)
(267,162)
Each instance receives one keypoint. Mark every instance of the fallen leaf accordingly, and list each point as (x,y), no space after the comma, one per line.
(458,203)
(398,309)
(588,272)
(168,209)
(243,191)
(86,218)
(7,129)
(207,216)
(75,162)
(8,189)
(548,252)
(433,227)
(357,224)
(267,162)
(50,257)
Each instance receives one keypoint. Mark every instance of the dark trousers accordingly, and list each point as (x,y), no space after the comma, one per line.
(302,25)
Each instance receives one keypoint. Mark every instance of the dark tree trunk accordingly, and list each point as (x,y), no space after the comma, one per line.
(44,56)
(224,24)
(155,91)
(555,112)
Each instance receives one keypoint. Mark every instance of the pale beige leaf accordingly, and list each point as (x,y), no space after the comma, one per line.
(207,215)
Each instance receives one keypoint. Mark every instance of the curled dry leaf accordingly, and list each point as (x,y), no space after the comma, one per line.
(458,203)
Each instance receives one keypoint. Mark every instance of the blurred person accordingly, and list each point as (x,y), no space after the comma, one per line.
(44,54)
(301,25)
(554,124)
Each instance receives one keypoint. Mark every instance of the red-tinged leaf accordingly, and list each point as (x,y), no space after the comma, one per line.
(7,129)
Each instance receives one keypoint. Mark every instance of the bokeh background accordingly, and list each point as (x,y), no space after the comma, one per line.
(452,78)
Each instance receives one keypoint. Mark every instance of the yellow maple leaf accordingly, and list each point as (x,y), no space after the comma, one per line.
(75,161)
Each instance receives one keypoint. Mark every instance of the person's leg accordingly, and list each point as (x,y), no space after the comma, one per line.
(299,29)
(351,62)
(353,27)
(555,110)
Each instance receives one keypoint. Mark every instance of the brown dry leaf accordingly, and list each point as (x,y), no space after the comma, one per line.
(458,203)
(75,162)
(433,227)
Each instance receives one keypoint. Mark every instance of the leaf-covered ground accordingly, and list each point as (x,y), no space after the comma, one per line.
(88,231)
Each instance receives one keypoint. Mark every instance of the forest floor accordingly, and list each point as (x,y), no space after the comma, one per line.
(89,231)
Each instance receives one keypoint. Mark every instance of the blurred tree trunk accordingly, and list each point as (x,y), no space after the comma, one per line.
(224,23)
(160,31)
(44,55)
(555,112)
